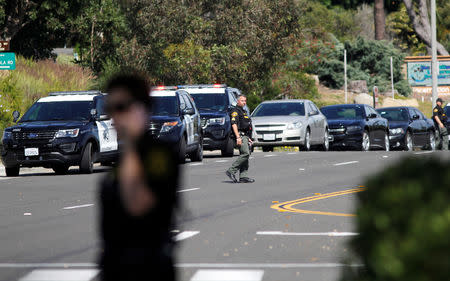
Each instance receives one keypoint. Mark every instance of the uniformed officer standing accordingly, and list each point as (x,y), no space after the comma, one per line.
(440,118)
(242,129)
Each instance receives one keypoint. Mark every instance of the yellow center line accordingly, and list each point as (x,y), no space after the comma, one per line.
(288,206)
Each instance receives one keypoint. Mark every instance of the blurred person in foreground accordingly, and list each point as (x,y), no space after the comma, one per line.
(137,199)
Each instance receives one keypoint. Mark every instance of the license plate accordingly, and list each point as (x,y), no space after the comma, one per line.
(31,151)
(269,137)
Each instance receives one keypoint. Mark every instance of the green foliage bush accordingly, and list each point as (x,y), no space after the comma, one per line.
(404,220)
(367,60)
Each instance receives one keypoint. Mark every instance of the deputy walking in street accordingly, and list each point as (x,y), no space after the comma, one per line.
(138,197)
(242,129)
(440,119)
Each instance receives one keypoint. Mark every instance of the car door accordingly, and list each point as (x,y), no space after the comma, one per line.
(321,123)
(314,120)
(189,119)
(195,119)
(423,133)
(371,125)
(107,134)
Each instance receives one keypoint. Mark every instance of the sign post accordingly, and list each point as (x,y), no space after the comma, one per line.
(7,61)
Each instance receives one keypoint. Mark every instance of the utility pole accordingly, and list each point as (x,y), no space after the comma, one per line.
(345,75)
(434,65)
(392,80)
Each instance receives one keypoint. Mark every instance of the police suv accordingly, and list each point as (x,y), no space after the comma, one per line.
(215,103)
(176,120)
(62,130)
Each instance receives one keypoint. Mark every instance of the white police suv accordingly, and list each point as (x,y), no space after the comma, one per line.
(62,130)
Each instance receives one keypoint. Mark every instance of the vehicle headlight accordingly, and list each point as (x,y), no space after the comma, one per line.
(354,128)
(71,133)
(168,126)
(295,125)
(216,121)
(396,131)
(6,135)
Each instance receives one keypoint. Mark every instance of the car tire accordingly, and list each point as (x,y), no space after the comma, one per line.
(197,155)
(408,142)
(182,150)
(326,142)
(267,148)
(12,171)
(365,145)
(431,141)
(228,150)
(87,164)
(61,169)
(307,145)
(387,146)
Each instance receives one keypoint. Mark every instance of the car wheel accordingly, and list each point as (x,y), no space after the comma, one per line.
(326,142)
(60,169)
(228,150)
(197,156)
(386,142)
(267,148)
(182,150)
(12,171)
(365,145)
(86,164)
(432,141)
(408,142)
(307,145)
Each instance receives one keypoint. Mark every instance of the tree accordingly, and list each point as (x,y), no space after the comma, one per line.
(418,13)
(380,19)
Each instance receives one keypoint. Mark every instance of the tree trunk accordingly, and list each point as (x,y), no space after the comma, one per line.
(380,19)
(421,24)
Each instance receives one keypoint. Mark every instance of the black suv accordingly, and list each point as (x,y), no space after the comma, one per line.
(62,130)
(215,103)
(176,120)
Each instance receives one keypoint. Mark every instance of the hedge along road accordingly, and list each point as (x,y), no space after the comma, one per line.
(224,229)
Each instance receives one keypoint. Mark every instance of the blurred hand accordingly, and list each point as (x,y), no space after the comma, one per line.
(239,142)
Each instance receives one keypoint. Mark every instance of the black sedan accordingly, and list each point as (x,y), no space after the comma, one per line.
(357,126)
(409,128)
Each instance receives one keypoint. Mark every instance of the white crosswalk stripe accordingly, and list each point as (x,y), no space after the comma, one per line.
(61,275)
(227,275)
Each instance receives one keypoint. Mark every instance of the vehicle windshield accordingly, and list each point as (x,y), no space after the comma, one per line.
(61,110)
(343,112)
(165,106)
(280,109)
(394,114)
(213,102)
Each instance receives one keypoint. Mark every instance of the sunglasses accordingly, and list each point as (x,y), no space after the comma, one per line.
(119,107)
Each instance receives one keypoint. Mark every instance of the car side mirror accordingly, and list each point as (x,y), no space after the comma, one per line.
(372,115)
(188,111)
(16,115)
(312,113)
(416,117)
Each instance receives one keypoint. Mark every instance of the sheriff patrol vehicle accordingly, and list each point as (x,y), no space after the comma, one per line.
(61,130)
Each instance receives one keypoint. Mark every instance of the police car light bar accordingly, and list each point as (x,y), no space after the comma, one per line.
(75,93)
(164,88)
(200,86)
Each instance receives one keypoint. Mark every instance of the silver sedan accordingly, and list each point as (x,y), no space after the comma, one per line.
(289,123)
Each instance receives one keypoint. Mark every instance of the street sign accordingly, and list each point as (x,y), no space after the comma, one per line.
(4,46)
(7,61)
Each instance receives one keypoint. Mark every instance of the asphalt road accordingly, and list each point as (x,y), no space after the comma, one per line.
(260,231)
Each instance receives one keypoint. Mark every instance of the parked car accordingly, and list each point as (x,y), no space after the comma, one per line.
(62,130)
(175,119)
(215,103)
(357,126)
(289,123)
(409,128)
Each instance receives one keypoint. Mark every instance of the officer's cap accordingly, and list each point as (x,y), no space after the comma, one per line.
(439,100)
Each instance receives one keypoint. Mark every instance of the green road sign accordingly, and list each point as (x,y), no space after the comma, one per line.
(7,61)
